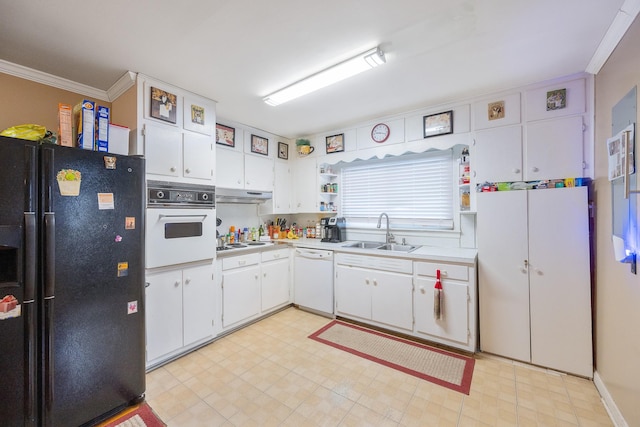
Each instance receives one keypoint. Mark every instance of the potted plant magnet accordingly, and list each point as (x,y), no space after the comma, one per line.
(304,147)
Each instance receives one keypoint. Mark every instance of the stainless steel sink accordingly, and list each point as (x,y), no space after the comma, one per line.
(364,245)
(393,247)
(397,248)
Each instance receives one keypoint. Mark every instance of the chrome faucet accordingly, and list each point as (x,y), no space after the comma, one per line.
(390,237)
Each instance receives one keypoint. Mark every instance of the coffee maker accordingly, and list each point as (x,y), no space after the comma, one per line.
(334,229)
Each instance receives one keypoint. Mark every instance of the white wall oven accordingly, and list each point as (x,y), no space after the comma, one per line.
(181,223)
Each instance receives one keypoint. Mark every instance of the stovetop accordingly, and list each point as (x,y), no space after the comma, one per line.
(239,246)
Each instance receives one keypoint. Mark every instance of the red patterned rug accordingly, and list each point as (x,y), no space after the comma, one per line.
(438,366)
(136,416)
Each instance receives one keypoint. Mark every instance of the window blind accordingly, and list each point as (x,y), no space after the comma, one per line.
(415,191)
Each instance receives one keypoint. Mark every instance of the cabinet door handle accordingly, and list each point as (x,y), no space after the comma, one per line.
(375,282)
(187,170)
(516,170)
(242,262)
(422,289)
(187,280)
(366,281)
(147,284)
(534,169)
(177,283)
(172,168)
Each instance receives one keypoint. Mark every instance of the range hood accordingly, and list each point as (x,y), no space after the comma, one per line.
(234,195)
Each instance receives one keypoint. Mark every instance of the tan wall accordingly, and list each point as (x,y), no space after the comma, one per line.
(24,101)
(617,317)
(124,111)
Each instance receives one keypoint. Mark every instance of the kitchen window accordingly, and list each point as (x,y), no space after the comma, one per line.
(416,191)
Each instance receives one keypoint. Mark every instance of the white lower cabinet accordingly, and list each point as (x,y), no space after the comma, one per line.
(179,310)
(457,324)
(240,288)
(276,279)
(254,284)
(375,289)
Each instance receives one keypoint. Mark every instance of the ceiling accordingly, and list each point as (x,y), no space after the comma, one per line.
(238,51)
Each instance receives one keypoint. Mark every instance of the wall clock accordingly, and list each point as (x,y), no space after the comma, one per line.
(380,132)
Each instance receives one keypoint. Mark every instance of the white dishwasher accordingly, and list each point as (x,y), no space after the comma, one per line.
(313,279)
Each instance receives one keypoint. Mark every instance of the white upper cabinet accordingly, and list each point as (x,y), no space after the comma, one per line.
(163,150)
(184,155)
(258,173)
(229,168)
(554,149)
(497,155)
(175,133)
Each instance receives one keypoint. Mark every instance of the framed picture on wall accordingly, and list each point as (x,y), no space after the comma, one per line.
(163,105)
(438,124)
(283,151)
(495,110)
(259,145)
(197,116)
(335,143)
(225,135)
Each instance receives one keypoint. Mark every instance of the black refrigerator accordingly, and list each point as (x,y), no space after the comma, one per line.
(71,284)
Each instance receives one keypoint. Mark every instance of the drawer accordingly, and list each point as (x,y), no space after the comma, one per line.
(398,265)
(240,261)
(447,271)
(275,254)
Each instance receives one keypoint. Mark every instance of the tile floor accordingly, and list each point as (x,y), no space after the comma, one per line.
(271,374)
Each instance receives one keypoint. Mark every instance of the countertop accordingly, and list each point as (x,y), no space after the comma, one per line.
(432,253)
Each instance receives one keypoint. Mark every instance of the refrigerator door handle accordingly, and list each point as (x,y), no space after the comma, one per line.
(50,254)
(49,299)
(30,256)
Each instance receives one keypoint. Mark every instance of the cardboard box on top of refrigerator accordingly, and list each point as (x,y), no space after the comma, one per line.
(102,128)
(85,122)
(118,139)
(65,125)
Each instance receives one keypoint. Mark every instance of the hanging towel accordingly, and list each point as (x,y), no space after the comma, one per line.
(437,298)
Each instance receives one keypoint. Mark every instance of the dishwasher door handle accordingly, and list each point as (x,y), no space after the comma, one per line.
(313,254)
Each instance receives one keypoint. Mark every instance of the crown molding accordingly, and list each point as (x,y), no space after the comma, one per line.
(621,23)
(124,83)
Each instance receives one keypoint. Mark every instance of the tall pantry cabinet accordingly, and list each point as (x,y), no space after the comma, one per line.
(534,271)
(534,276)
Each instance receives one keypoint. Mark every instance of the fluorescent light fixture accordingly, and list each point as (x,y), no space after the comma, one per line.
(365,61)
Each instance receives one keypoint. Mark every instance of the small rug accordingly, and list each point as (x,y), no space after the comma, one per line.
(438,366)
(137,416)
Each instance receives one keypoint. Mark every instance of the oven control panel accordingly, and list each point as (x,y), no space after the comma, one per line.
(170,194)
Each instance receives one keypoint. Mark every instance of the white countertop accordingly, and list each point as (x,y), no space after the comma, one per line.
(436,253)
(433,253)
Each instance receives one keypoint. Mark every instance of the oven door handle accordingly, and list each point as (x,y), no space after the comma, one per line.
(163,216)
